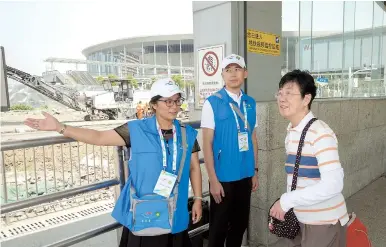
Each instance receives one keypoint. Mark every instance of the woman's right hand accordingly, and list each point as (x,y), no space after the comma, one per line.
(49,123)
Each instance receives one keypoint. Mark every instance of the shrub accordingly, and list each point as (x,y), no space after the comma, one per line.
(21,107)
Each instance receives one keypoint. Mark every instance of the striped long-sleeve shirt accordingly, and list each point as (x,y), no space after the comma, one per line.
(318,198)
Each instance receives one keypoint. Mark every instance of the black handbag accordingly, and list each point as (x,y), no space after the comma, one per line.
(289,228)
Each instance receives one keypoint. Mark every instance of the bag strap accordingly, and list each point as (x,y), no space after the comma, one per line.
(299,154)
(236,109)
(182,162)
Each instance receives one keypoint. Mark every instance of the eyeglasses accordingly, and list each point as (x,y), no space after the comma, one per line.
(285,94)
(170,102)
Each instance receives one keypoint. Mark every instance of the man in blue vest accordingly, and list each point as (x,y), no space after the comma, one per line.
(229,124)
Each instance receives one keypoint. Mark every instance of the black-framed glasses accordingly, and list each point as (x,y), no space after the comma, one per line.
(170,102)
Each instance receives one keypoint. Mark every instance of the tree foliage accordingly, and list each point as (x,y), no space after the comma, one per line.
(132,81)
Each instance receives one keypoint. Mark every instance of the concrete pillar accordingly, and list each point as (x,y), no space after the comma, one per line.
(264,70)
(227,23)
(383,59)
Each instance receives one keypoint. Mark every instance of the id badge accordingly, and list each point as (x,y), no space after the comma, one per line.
(243,141)
(165,184)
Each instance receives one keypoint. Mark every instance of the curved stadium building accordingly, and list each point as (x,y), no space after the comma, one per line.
(175,51)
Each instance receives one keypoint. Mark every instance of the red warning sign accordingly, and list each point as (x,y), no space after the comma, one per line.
(210,63)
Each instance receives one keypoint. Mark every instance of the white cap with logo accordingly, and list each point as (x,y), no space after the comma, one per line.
(233,59)
(165,88)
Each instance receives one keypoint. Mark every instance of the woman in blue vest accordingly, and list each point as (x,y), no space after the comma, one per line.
(153,205)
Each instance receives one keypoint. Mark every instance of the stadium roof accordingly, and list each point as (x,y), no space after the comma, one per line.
(134,65)
(134,40)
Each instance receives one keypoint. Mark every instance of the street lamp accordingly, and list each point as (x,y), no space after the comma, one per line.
(350,77)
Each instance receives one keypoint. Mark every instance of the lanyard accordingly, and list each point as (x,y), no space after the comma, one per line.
(245,117)
(164,149)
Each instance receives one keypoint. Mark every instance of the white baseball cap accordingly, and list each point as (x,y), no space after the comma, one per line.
(233,58)
(164,87)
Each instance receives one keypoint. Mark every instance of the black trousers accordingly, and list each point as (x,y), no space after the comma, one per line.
(180,239)
(229,219)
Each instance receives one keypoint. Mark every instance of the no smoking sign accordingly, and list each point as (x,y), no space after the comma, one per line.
(209,76)
(210,63)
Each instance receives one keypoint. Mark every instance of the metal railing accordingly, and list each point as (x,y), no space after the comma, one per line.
(8,207)
(104,229)
(46,169)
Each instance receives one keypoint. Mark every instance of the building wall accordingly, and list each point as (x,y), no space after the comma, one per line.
(360,126)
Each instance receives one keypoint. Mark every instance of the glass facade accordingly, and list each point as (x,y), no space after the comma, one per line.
(342,44)
(178,53)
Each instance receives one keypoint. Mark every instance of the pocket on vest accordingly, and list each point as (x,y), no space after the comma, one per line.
(152,215)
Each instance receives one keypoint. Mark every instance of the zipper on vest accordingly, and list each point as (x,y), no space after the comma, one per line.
(219,154)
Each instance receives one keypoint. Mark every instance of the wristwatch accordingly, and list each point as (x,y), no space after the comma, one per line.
(61,131)
(256,169)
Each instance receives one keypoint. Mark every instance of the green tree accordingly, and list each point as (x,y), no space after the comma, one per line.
(112,77)
(132,81)
(189,84)
(149,84)
(178,79)
(99,79)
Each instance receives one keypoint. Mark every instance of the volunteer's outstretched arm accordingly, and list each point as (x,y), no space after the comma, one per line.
(95,137)
(196,180)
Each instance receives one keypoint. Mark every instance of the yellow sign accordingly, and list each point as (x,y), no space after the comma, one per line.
(263,43)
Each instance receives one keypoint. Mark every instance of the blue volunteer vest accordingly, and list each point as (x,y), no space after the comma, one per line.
(145,166)
(229,163)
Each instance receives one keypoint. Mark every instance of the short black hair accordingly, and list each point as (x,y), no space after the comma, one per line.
(304,80)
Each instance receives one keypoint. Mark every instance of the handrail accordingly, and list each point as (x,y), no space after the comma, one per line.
(110,227)
(9,207)
(36,142)
(85,235)
(43,141)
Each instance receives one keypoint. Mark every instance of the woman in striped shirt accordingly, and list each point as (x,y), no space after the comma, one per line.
(317,202)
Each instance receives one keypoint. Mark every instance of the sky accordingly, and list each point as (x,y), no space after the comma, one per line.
(32,31)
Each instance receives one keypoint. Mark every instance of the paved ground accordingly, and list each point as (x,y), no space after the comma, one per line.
(369,204)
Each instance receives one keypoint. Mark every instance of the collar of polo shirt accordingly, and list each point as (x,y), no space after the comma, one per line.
(302,123)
